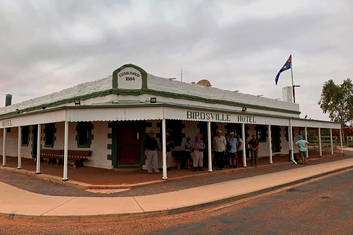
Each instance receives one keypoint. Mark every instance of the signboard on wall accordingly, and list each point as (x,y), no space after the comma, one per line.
(219,117)
(129,78)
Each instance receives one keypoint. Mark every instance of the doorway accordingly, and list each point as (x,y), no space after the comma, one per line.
(128,144)
(276,138)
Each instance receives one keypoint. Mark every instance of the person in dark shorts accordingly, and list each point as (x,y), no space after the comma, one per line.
(254,149)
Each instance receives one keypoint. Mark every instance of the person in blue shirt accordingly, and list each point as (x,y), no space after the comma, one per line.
(302,144)
(197,154)
(232,144)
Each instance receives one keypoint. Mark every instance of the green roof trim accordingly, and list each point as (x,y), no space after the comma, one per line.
(146,91)
(141,105)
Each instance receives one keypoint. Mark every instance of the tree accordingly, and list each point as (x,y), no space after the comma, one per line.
(337,100)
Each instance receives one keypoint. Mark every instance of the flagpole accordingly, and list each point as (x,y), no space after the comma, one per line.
(291,71)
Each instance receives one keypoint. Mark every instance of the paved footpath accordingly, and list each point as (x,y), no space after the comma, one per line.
(15,201)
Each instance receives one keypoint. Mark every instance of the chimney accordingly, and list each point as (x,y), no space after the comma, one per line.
(8,99)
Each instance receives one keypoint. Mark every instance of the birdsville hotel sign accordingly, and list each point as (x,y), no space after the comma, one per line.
(219,117)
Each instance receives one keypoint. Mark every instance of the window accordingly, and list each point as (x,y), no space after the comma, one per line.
(84,134)
(25,135)
(49,135)
(261,134)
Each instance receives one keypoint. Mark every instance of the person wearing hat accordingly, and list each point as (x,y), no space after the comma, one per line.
(219,145)
(197,154)
(151,152)
(232,150)
(302,148)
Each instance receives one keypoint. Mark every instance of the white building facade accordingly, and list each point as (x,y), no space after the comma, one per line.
(110,118)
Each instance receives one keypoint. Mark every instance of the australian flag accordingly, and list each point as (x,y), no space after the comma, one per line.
(285,67)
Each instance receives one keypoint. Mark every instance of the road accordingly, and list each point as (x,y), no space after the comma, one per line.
(323,206)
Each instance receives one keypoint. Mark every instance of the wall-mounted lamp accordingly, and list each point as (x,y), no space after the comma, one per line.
(153,100)
(243,109)
(77,102)
(44,107)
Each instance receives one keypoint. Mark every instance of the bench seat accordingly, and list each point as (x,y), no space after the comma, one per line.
(75,157)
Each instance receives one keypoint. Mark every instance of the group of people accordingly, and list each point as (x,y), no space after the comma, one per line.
(230,147)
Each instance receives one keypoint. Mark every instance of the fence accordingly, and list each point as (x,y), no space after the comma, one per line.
(325,143)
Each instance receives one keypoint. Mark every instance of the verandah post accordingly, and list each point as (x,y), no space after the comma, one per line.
(320,146)
(306,138)
(19,148)
(164,150)
(66,143)
(331,141)
(341,140)
(4,147)
(38,149)
(244,146)
(291,141)
(270,142)
(209,146)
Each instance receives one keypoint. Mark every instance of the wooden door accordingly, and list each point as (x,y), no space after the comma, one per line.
(129,145)
(276,138)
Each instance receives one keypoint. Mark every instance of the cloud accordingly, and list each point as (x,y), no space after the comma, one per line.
(237,45)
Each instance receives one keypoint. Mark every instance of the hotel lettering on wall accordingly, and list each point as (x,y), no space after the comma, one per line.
(219,117)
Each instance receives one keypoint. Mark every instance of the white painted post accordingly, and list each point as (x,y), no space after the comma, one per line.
(306,138)
(164,150)
(4,147)
(38,149)
(244,148)
(270,142)
(341,140)
(209,146)
(19,148)
(291,141)
(66,144)
(331,141)
(320,146)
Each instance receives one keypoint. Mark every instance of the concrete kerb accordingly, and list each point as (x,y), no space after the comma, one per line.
(116,217)
(86,186)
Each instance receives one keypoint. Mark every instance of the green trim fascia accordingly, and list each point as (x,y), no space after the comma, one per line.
(143,74)
(159,105)
(213,101)
(140,92)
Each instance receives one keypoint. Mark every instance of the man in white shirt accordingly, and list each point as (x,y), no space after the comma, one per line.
(219,145)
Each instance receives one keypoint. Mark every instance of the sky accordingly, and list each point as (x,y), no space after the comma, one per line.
(49,45)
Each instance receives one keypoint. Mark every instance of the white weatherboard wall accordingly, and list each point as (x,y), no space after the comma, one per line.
(98,144)
(11,144)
